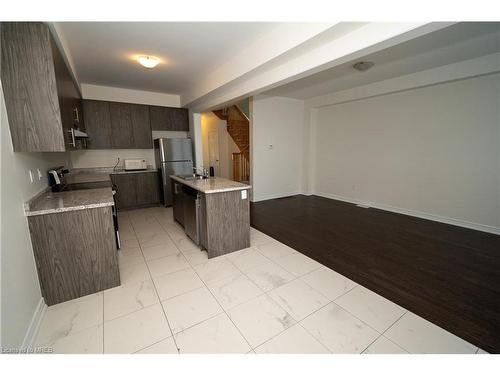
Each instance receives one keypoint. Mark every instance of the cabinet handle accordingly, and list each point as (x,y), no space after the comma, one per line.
(73,142)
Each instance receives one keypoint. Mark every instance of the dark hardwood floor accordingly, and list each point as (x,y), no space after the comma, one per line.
(446,274)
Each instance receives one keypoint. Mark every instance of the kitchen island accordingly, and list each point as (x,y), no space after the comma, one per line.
(214,212)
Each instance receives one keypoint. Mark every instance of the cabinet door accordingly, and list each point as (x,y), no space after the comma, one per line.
(126,190)
(141,127)
(179,119)
(97,124)
(148,188)
(160,118)
(68,94)
(29,87)
(122,135)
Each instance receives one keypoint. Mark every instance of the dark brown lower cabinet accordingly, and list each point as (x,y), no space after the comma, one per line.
(75,253)
(136,189)
(224,222)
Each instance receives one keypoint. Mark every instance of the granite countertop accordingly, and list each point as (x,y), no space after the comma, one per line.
(48,202)
(212,185)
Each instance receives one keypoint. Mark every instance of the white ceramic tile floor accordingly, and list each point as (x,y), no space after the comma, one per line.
(233,291)
(298,299)
(166,346)
(294,340)
(191,308)
(339,331)
(177,283)
(384,346)
(168,264)
(160,250)
(269,276)
(268,298)
(371,308)
(328,282)
(260,319)
(215,335)
(417,335)
(128,298)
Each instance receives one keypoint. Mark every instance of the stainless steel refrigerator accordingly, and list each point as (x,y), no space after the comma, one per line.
(173,156)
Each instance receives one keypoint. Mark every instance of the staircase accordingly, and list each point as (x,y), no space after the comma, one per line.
(238,127)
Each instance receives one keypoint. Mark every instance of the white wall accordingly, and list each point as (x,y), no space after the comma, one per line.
(276,126)
(431,151)
(210,122)
(108,158)
(20,290)
(116,94)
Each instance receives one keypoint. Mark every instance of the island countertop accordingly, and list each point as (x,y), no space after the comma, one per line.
(49,202)
(212,185)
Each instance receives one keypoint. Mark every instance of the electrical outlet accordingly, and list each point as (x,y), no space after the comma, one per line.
(31,176)
(40,176)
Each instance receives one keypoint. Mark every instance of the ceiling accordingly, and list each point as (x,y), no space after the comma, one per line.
(455,43)
(103,52)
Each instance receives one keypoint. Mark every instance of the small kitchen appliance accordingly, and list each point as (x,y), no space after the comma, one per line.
(57,179)
(135,164)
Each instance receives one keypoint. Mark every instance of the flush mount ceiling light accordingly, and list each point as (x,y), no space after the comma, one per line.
(363,66)
(148,61)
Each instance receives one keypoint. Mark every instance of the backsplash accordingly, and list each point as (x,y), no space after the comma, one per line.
(108,158)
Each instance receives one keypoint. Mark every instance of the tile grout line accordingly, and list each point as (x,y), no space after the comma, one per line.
(154,285)
(357,284)
(224,311)
(206,286)
(382,334)
(156,289)
(267,295)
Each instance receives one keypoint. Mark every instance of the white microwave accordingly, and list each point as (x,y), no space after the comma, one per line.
(135,164)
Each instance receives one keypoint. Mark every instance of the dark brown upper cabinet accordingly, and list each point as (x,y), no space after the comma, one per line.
(121,125)
(97,124)
(116,125)
(168,118)
(141,126)
(130,127)
(41,97)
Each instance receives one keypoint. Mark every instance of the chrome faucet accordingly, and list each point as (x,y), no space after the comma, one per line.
(204,171)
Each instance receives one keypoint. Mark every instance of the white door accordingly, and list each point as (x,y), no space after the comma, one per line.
(213,150)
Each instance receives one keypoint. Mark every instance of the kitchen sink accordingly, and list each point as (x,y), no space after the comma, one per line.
(190,177)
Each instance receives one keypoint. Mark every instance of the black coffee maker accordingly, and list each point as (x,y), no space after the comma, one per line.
(57,179)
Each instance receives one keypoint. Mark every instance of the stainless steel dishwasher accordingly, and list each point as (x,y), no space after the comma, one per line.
(191,213)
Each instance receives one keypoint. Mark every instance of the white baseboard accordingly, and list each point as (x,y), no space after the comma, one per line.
(32,331)
(419,214)
(274,196)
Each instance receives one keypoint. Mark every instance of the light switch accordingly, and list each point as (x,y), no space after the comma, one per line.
(243,194)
